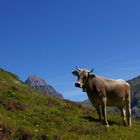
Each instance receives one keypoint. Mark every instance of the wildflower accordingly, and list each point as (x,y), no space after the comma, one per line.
(36,130)
(1,129)
(13,133)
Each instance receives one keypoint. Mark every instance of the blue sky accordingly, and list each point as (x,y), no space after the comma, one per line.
(49,38)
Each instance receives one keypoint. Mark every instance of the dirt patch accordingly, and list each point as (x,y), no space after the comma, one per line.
(44,136)
(23,134)
(7,133)
(14,106)
(4,132)
(57,137)
(14,88)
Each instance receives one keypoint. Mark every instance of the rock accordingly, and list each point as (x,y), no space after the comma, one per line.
(41,85)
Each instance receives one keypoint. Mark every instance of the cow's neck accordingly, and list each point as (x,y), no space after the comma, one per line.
(88,84)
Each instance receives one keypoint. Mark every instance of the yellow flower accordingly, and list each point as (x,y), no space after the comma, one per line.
(13,134)
(36,130)
(1,129)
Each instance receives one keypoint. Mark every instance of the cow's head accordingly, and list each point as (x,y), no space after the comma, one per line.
(83,76)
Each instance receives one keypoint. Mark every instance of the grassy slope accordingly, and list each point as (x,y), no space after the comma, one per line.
(25,114)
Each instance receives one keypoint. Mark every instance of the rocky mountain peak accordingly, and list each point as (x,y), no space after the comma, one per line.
(41,85)
(35,81)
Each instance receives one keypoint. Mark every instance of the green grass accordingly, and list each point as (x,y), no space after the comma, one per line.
(26,114)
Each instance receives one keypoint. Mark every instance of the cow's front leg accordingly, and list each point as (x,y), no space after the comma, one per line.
(98,108)
(104,111)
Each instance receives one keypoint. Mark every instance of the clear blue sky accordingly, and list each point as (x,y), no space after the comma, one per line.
(49,38)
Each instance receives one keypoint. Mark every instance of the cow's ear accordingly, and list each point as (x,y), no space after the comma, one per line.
(75,73)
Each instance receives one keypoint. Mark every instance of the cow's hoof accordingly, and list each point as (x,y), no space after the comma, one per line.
(129,125)
(107,125)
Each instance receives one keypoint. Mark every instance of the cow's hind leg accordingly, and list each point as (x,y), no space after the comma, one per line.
(128,112)
(123,114)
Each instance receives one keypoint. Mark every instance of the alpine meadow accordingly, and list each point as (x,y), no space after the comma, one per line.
(26,114)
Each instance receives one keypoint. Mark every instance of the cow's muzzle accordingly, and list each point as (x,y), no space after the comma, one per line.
(77,85)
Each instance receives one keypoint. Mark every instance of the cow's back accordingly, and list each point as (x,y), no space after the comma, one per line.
(116,91)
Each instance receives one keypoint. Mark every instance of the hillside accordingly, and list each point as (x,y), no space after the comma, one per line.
(27,115)
(41,85)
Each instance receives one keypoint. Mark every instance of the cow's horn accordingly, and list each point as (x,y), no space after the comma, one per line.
(77,68)
(91,70)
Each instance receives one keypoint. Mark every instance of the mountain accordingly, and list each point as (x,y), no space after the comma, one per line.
(40,85)
(135,90)
(27,115)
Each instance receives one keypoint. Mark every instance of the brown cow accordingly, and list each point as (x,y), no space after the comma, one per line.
(104,92)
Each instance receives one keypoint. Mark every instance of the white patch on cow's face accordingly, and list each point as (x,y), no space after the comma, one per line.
(82,78)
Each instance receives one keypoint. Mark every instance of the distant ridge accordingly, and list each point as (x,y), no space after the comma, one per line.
(135,88)
(41,85)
